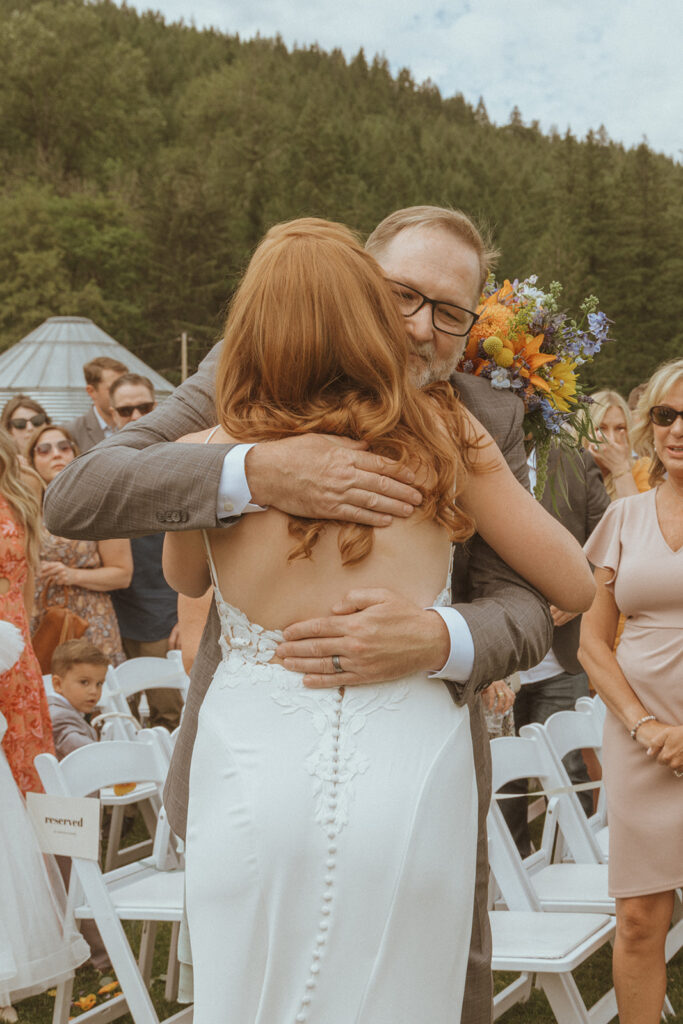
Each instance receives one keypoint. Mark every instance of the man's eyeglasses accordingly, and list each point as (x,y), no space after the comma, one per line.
(664,415)
(21,424)
(45,447)
(127,410)
(446,316)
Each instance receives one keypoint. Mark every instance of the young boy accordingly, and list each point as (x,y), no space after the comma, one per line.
(78,671)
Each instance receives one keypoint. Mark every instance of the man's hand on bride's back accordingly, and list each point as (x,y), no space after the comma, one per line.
(376,635)
(326,477)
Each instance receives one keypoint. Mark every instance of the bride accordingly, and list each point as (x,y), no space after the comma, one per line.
(332,833)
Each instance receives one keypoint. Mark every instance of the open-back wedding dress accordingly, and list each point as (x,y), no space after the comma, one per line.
(330,845)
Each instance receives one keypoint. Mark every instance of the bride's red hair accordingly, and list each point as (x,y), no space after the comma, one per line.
(314,343)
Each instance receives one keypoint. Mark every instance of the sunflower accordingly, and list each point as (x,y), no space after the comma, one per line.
(562,381)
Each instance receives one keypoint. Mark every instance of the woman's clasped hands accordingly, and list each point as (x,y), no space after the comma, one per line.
(663,743)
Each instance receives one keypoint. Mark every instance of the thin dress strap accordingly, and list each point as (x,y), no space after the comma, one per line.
(207,544)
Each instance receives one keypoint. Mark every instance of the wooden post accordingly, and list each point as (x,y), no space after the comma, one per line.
(183,356)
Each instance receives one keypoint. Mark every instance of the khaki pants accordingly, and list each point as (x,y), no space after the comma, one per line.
(165,706)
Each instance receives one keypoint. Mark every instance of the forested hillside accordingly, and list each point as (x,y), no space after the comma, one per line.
(141,162)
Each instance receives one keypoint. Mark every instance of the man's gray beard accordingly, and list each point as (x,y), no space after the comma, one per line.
(433,370)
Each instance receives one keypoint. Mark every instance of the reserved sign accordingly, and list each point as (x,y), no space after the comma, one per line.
(66,825)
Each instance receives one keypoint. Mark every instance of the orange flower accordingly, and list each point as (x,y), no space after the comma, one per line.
(86,1002)
(122,788)
(493,319)
(107,988)
(530,353)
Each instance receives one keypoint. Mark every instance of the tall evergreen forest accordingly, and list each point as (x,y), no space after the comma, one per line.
(140,163)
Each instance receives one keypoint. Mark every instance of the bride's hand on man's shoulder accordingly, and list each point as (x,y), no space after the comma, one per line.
(201,436)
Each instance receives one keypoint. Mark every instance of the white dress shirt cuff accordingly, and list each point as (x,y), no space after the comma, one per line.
(234,496)
(461,658)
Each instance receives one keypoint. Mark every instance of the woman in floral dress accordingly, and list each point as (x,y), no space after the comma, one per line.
(22,695)
(79,573)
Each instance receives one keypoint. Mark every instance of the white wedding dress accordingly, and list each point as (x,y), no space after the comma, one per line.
(331,845)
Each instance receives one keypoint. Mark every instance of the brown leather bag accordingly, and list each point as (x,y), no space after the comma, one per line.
(57,625)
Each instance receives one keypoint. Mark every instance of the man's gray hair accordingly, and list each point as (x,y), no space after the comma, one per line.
(455,221)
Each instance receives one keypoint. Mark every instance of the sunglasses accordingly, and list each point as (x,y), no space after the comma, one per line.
(21,424)
(45,447)
(664,415)
(127,410)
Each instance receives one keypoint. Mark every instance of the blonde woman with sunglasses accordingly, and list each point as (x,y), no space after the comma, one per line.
(79,573)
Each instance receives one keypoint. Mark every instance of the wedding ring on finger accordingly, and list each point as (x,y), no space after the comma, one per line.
(336,663)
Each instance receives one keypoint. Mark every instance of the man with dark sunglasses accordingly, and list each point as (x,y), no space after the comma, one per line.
(131,396)
(147,610)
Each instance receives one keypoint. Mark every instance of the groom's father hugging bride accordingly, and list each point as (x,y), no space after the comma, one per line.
(138,482)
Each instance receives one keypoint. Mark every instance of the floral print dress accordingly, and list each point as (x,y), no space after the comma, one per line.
(22,696)
(95,606)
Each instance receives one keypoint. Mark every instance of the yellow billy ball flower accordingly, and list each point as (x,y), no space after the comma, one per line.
(504,358)
(492,346)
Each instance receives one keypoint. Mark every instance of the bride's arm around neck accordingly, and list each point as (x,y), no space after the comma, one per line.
(523,533)
(185,564)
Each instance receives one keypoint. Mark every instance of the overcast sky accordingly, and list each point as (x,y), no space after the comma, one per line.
(578,63)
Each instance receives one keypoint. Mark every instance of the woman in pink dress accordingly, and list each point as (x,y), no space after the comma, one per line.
(22,695)
(638,553)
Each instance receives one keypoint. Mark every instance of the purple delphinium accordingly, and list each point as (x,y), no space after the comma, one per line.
(599,325)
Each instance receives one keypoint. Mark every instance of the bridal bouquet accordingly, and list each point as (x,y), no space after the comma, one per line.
(522,342)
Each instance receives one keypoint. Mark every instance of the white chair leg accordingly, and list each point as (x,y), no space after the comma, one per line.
(62,1007)
(115,829)
(565,999)
(668,1010)
(126,970)
(518,991)
(146,957)
(173,966)
(149,816)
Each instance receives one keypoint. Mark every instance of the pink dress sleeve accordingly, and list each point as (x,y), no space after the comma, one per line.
(603,547)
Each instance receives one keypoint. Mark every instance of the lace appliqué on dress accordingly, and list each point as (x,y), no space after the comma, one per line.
(336,760)
(245,645)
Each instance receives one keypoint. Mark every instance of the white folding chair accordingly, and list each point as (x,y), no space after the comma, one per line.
(541,941)
(149,890)
(546,948)
(562,733)
(122,682)
(578,887)
(137,674)
(595,708)
(119,723)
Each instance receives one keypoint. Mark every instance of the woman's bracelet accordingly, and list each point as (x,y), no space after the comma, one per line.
(642,721)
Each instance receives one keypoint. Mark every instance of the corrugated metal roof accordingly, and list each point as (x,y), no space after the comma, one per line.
(48,365)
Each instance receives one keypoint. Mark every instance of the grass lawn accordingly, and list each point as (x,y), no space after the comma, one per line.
(593,979)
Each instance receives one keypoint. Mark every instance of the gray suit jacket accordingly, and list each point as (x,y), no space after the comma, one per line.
(137,483)
(69,728)
(86,431)
(575,495)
